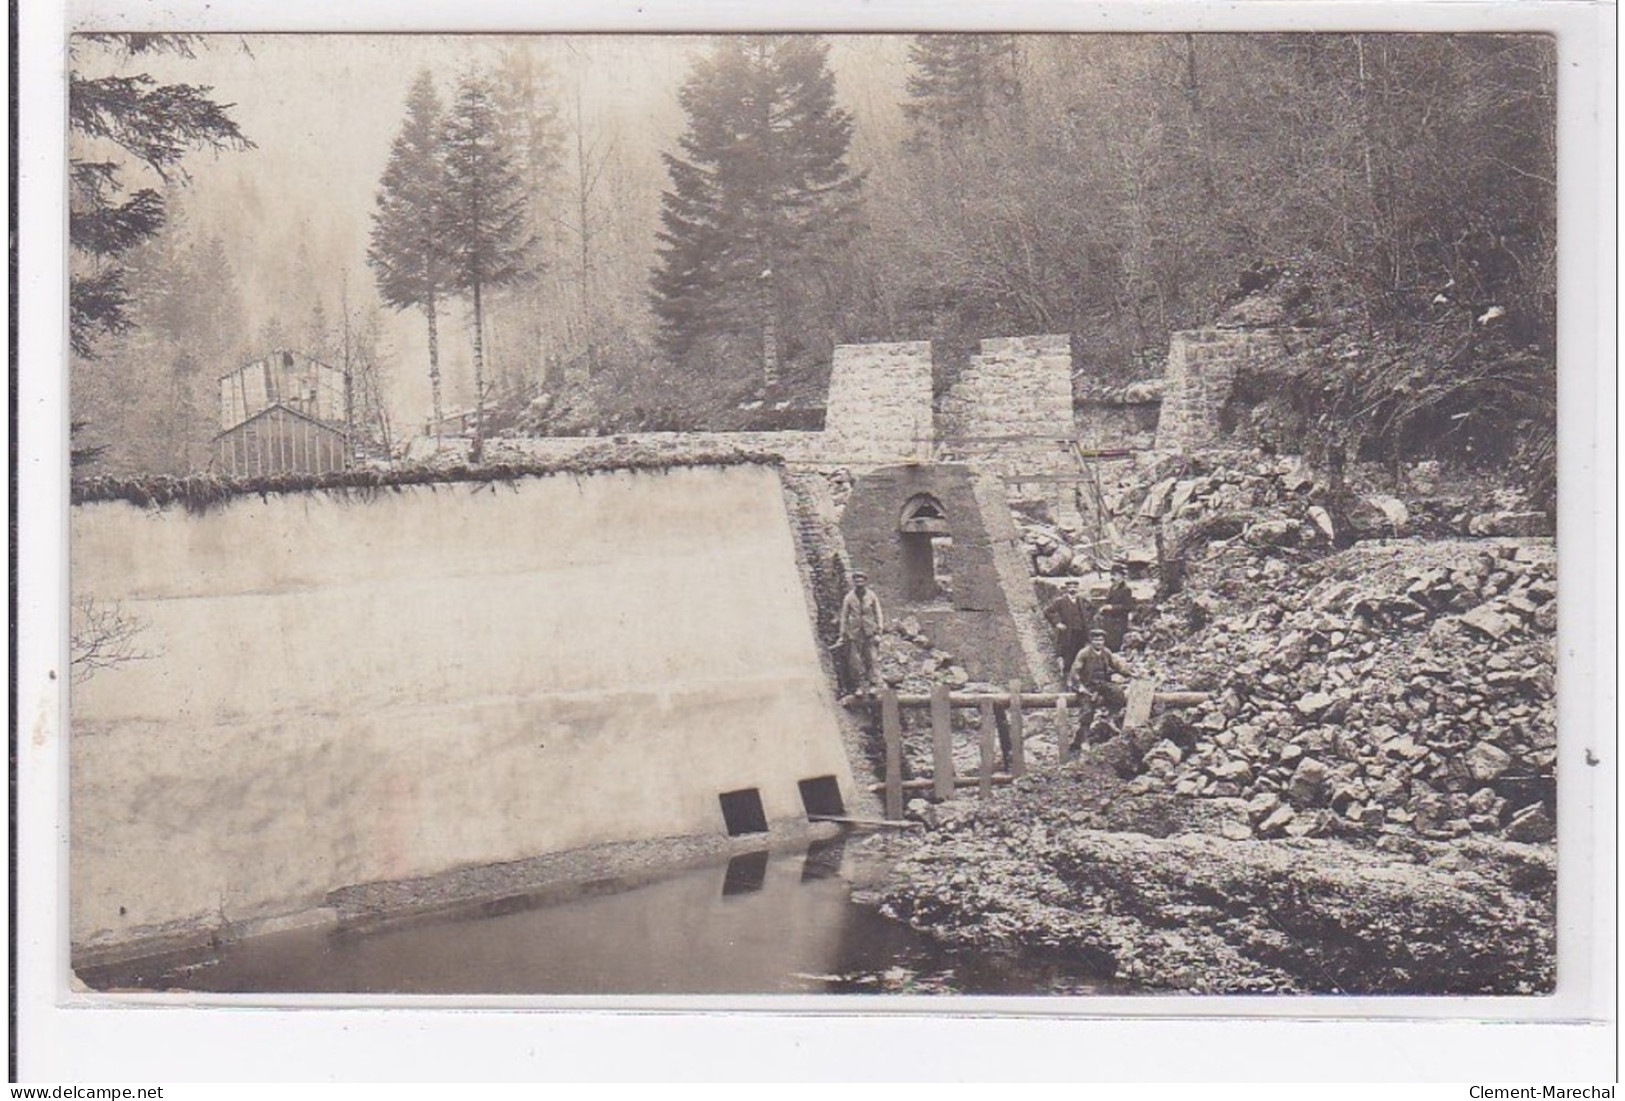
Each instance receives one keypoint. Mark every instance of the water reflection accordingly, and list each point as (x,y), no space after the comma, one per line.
(823,859)
(746,873)
(780,923)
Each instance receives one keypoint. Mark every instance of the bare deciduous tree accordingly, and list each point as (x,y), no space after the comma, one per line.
(103,636)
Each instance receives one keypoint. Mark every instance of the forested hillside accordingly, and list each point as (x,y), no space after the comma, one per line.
(1395,194)
(692,224)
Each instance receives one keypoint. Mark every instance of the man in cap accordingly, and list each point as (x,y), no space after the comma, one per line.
(861,624)
(1091,678)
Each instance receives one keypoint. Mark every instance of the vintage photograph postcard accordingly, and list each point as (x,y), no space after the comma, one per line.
(965,514)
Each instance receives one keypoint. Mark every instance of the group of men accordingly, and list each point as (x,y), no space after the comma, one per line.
(1087,638)
(1075,617)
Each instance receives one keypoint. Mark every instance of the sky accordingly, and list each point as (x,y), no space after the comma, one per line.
(323,109)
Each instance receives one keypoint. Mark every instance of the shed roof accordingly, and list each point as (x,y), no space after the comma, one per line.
(278,406)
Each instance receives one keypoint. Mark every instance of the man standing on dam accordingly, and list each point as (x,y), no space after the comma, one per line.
(861,624)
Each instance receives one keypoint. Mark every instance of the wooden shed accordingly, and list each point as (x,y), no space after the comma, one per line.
(290,379)
(279,440)
(285,413)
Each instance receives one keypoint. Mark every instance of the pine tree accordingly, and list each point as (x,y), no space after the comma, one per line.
(151,123)
(761,196)
(484,217)
(960,83)
(408,252)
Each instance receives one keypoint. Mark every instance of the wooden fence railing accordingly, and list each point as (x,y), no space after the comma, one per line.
(1014,704)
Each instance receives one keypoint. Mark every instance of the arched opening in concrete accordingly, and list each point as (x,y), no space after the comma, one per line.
(927,550)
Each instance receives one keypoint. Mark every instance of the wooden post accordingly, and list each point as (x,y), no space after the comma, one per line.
(1018,756)
(1137,704)
(1063,731)
(891,729)
(984,787)
(942,743)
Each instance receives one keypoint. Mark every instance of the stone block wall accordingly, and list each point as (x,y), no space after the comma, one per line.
(879,411)
(1200,377)
(1015,387)
(822,552)
(879,408)
(795,446)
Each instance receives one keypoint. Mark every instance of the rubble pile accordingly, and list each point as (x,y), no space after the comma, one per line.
(1060,551)
(1268,506)
(1262,502)
(910,664)
(1402,688)
(1281,502)
(1446,503)
(1364,803)
(1185,489)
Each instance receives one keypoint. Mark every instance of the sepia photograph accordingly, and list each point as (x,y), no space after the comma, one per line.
(953,514)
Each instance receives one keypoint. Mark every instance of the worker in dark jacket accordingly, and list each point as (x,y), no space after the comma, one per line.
(1070,616)
(1117,609)
(1091,678)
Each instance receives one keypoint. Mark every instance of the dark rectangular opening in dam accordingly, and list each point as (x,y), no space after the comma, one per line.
(742,811)
(821,796)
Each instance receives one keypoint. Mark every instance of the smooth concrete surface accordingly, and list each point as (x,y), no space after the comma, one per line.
(348,690)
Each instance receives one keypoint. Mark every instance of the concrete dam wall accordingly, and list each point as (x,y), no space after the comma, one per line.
(341,690)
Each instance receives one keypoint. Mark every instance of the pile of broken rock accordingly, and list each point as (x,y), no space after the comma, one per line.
(911,664)
(1056,551)
(1403,688)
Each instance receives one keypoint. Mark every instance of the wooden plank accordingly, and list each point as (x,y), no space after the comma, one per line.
(891,728)
(984,786)
(927,785)
(942,742)
(1137,709)
(1033,699)
(1018,754)
(1063,730)
(903,824)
